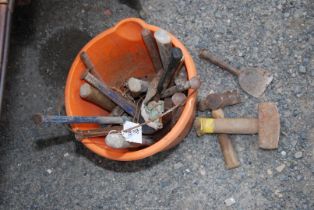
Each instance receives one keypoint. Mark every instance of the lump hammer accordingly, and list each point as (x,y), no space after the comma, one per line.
(267,125)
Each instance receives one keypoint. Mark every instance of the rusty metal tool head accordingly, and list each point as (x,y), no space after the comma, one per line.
(254,81)
(267,125)
(219,100)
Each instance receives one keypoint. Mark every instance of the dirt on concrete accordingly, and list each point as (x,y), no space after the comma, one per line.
(45,168)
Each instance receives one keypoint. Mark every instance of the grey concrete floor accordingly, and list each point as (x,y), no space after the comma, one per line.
(44,168)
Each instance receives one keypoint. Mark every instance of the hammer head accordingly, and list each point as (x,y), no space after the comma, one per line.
(268,126)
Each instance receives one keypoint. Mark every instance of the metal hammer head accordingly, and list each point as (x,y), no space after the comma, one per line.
(219,100)
(268,125)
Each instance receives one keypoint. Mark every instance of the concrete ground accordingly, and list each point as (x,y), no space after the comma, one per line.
(44,168)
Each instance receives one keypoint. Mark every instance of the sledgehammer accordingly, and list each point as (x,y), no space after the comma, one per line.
(267,126)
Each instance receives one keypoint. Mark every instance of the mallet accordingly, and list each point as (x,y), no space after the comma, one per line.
(267,125)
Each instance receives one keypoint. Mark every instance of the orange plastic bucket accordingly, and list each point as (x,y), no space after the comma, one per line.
(119,53)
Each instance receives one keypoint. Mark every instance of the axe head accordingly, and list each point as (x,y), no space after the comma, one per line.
(268,126)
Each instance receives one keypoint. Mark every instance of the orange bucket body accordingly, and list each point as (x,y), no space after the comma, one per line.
(118,54)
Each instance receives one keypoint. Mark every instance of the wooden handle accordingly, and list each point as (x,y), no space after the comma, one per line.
(236,126)
(91,94)
(226,125)
(90,66)
(152,49)
(137,86)
(176,56)
(230,156)
(164,46)
(205,54)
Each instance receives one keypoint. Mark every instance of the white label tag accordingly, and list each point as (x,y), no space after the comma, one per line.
(134,135)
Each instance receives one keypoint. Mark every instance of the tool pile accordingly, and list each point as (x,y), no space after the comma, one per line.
(267,125)
(141,110)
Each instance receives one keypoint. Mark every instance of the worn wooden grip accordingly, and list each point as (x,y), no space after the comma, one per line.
(226,125)
(230,156)
(164,46)
(205,54)
(236,126)
(152,49)
(137,86)
(91,94)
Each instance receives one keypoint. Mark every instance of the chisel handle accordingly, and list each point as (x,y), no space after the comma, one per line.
(163,41)
(176,56)
(226,125)
(91,94)
(152,49)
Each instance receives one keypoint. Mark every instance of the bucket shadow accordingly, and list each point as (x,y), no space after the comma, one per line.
(120,166)
(23,22)
(41,144)
(58,53)
(136,5)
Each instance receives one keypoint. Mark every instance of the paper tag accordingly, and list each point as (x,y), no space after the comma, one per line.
(134,135)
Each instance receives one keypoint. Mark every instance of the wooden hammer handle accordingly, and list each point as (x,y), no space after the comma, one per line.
(226,125)
(236,126)
(205,54)
(230,156)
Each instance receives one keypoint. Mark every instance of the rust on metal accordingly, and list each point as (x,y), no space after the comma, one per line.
(254,81)
(219,100)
